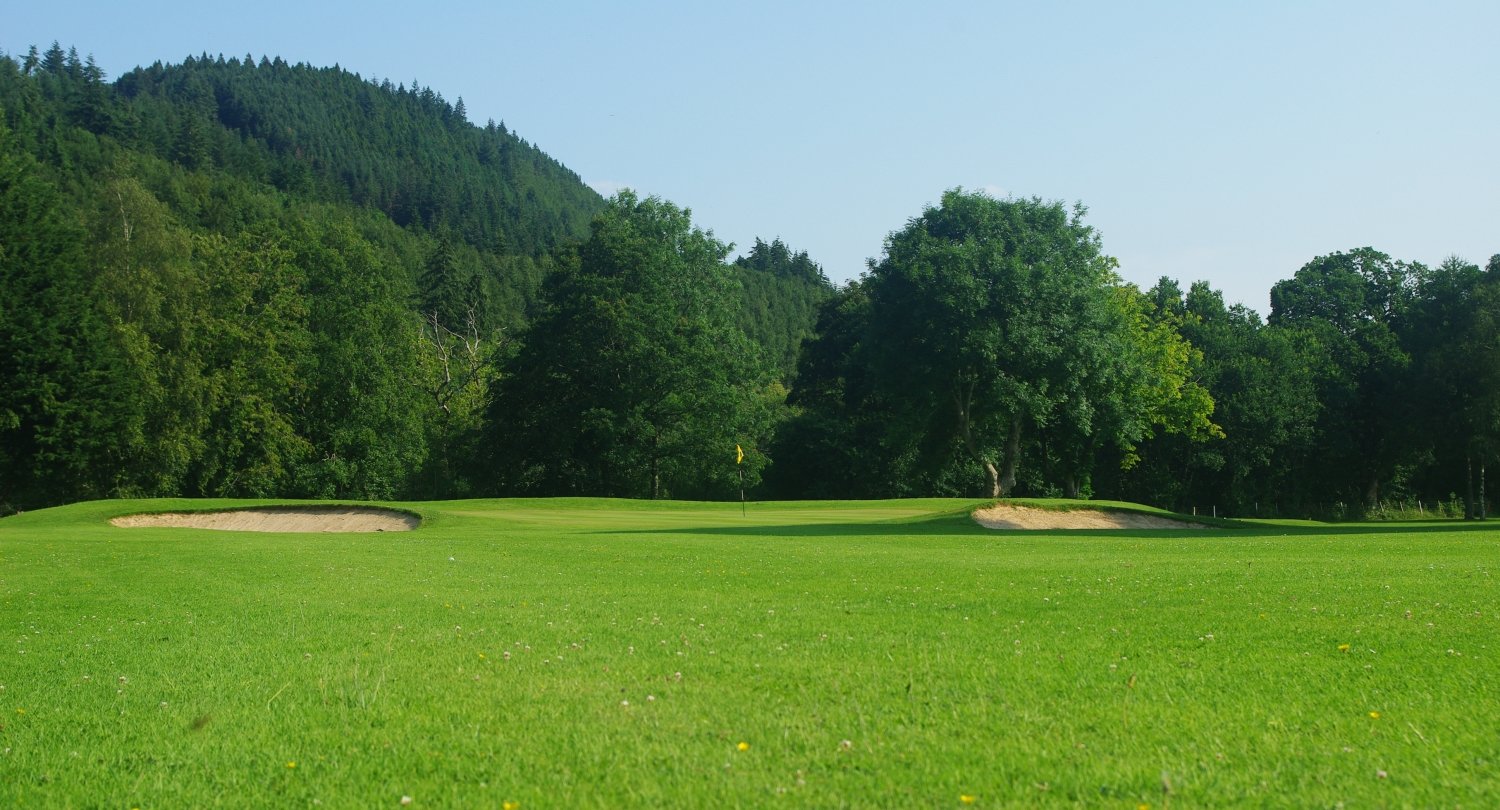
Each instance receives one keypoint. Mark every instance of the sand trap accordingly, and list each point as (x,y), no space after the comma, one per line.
(281,519)
(1001,516)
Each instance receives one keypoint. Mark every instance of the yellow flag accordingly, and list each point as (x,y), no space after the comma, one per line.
(739,455)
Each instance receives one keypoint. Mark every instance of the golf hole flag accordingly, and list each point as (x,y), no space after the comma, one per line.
(739,455)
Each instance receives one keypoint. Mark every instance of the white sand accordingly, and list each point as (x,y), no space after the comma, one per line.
(281,519)
(1001,516)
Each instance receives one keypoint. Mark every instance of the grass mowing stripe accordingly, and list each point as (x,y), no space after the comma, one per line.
(606,653)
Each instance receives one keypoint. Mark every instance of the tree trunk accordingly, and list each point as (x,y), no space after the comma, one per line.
(1483,511)
(963,402)
(1372,493)
(1468,487)
(655,467)
(992,479)
(1070,486)
(1012,456)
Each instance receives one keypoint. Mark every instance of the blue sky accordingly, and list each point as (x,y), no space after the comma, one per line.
(1231,142)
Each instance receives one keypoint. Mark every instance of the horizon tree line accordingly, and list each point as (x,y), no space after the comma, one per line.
(194,302)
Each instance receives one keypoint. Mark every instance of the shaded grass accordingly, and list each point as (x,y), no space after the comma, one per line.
(1056,668)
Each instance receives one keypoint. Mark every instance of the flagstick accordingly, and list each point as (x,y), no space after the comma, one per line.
(742,492)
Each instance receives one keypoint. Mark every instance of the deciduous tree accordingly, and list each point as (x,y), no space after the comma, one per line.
(1352,304)
(1001,321)
(634,381)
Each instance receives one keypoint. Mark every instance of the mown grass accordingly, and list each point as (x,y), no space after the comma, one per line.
(581,653)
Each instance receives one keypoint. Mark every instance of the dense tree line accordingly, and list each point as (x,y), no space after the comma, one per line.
(1373,380)
(248,278)
(993,350)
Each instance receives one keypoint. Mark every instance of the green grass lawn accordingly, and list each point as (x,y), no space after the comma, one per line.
(579,653)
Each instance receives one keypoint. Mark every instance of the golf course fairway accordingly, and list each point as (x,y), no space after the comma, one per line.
(595,653)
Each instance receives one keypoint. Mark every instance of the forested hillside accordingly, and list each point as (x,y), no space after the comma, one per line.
(497,204)
(332,135)
(780,294)
(240,276)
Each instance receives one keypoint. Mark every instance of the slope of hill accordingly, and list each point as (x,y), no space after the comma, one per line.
(329,133)
(779,300)
(240,277)
(248,277)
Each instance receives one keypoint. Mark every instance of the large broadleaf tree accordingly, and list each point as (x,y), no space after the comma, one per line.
(1002,324)
(634,381)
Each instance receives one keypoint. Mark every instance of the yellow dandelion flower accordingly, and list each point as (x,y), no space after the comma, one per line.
(1374,715)
(1343,648)
(291,764)
(744,746)
(510,806)
(481,655)
(965,798)
(1143,806)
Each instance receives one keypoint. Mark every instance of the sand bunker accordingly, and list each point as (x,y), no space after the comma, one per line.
(1001,516)
(281,519)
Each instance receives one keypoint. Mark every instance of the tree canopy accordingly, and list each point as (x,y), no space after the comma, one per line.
(635,380)
(1000,322)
